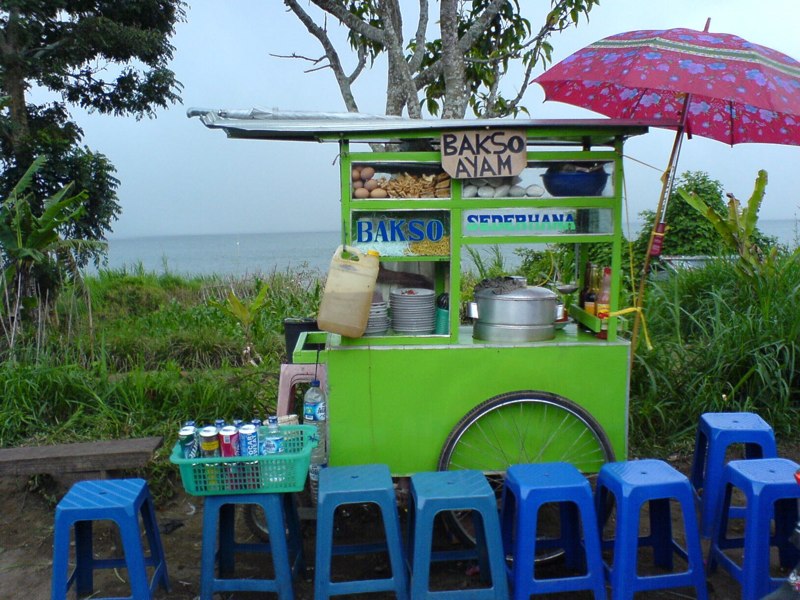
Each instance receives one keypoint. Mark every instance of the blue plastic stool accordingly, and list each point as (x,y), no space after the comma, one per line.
(350,485)
(434,492)
(219,544)
(772,492)
(632,483)
(527,488)
(715,433)
(118,500)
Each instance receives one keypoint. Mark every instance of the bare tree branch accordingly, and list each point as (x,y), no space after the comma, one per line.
(480,25)
(419,38)
(351,21)
(399,73)
(344,82)
(452,61)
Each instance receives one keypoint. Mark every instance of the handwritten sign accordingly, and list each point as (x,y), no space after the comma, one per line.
(484,153)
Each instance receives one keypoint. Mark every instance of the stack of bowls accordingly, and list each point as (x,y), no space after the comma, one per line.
(413,311)
(378,321)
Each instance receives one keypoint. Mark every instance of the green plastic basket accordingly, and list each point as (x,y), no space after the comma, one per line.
(271,473)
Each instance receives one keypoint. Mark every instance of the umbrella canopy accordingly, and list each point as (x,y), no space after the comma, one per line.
(739,91)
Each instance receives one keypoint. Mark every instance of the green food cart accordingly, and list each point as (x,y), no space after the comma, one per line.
(443,399)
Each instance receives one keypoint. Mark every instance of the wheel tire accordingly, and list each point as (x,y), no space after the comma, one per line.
(522,427)
(256,521)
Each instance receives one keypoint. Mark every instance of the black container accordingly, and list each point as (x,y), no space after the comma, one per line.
(292,328)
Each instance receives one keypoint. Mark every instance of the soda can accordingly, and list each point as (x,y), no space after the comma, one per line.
(209,442)
(219,423)
(237,423)
(248,440)
(190,422)
(187,438)
(257,422)
(229,441)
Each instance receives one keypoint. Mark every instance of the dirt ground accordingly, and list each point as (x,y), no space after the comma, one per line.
(26,521)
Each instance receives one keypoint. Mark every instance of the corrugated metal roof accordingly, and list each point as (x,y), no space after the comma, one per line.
(324,126)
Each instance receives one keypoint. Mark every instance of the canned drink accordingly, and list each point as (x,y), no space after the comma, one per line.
(229,441)
(190,423)
(257,422)
(248,440)
(237,423)
(209,441)
(187,438)
(219,423)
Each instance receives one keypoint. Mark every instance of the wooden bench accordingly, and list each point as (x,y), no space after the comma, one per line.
(100,456)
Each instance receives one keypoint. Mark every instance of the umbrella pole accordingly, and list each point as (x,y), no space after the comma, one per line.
(656,241)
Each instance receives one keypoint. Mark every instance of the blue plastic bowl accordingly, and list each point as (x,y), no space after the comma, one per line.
(575,183)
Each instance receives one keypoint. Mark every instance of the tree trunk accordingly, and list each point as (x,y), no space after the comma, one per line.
(14,86)
(455,76)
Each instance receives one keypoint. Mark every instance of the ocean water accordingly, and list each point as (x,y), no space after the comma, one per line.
(261,253)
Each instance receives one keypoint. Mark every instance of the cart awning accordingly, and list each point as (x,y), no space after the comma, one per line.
(330,126)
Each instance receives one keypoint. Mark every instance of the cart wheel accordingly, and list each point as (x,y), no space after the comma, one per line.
(523,427)
(256,521)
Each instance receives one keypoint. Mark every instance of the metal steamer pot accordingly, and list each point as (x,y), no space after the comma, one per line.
(525,314)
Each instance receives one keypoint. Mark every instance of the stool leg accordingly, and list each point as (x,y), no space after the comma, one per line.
(391,522)
(297,558)
(134,558)
(84,558)
(420,565)
(209,549)
(661,532)
(697,474)
(273,509)
(625,551)
(524,552)
(61,535)
(324,551)
(755,567)
(154,542)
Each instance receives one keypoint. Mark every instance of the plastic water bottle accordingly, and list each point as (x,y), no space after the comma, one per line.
(315,412)
(273,444)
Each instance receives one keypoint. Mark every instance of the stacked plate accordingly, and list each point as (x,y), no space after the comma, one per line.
(378,321)
(413,311)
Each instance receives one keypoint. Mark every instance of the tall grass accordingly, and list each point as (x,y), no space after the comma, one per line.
(721,343)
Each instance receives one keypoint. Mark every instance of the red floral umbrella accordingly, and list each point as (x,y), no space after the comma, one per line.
(715,85)
(739,91)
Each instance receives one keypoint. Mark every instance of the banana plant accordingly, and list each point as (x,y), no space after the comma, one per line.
(738,226)
(32,245)
(245,314)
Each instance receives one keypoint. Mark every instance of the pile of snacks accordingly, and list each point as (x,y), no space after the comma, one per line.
(402,185)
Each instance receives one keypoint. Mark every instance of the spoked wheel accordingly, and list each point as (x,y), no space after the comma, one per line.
(256,521)
(523,427)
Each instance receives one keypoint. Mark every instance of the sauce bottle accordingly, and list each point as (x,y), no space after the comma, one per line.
(603,303)
(590,300)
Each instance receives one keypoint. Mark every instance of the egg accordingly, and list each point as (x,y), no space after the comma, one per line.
(358,184)
(486,191)
(501,191)
(469,191)
(355,174)
(516,191)
(361,193)
(371,184)
(378,193)
(535,191)
(367,173)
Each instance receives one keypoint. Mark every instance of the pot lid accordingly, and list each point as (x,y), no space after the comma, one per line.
(525,293)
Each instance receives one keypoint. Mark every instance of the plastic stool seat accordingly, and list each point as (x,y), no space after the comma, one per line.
(219,526)
(716,432)
(771,492)
(527,488)
(351,485)
(434,492)
(632,483)
(121,501)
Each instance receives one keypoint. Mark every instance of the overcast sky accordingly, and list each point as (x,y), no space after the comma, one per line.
(180,178)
